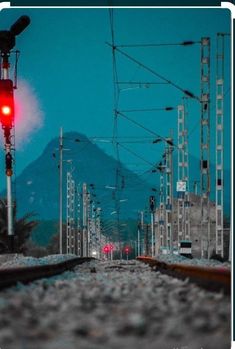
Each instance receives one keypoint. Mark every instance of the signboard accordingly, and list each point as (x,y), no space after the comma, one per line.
(181,186)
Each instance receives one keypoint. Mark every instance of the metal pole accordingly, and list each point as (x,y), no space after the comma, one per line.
(84,221)
(152,232)
(138,243)
(142,229)
(61,191)
(169,195)
(98,228)
(78,221)
(219,185)
(10,231)
(68,230)
(72,227)
(205,146)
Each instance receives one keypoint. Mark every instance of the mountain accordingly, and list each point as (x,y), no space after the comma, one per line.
(37,187)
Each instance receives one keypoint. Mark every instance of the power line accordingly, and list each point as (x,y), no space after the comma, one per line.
(186,92)
(160,138)
(135,154)
(148,110)
(141,83)
(183,43)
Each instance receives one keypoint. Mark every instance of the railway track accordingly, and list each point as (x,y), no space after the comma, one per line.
(109,304)
(12,276)
(212,279)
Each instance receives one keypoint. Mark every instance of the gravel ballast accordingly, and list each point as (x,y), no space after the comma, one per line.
(113,305)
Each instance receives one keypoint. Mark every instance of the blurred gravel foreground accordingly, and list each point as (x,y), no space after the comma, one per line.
(113,305)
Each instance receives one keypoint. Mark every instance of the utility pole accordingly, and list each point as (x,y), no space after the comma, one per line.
(98,230)
(93,231)
(84,222)
(88,252)
(68,226)
(205,147)
(138,237)
(219,238)
(183,177)
(141,228)
(169,193)
(70,214)
(152,209)
(61,190)
(161,220)
(195,190)
(79,221)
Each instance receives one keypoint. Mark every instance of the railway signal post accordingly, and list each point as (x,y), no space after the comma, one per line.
(7,115)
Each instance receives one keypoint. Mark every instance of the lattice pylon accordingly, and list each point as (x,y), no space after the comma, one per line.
(161,213)
(219,145)
(205,148)
(68,222)
(183,176)
(84,221)
(169,195)
(79,232)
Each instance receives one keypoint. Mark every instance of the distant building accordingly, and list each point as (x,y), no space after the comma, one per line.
(197,238)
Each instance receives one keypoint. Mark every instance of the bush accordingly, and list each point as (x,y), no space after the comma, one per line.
(32,250)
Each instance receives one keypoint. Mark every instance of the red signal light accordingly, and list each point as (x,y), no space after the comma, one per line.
(106,249)
(6,110)
(6,103)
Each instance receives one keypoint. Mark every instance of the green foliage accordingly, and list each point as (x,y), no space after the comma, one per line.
(22,227)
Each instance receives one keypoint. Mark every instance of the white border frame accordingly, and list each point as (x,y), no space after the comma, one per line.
(224,5)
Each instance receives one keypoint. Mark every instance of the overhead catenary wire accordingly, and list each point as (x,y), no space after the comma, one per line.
(186,92)
(146,129)
(140,83)
(183,43)
(138,156)
(148,110)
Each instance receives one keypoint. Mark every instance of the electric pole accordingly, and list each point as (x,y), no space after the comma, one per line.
(205,147)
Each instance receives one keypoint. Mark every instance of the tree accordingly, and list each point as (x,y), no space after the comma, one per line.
(22,227)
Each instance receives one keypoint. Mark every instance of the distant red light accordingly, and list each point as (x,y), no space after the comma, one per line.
(106,249)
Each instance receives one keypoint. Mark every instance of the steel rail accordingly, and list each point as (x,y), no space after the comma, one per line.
(12,276)
(210,278)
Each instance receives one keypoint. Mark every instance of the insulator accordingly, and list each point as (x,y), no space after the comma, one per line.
(186,43)
(188,93)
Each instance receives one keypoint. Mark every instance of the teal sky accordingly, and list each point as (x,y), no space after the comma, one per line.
(68,67)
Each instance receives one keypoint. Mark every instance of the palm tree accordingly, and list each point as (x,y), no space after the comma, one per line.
(22,228)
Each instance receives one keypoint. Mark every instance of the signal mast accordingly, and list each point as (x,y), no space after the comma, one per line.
(7,114)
